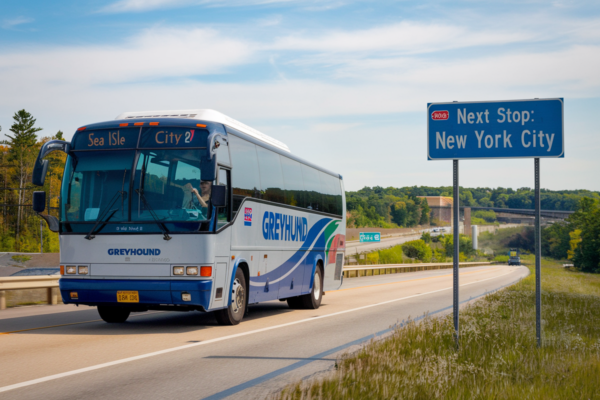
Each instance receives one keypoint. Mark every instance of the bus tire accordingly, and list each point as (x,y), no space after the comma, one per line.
(234,313)
(312,300)
(112,314)
(295,303)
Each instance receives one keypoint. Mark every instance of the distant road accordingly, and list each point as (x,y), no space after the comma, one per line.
(65,352)
(357,247)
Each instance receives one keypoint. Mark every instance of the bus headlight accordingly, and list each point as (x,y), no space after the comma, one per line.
(71,269)
(177,270)
(82,270)
(191,270)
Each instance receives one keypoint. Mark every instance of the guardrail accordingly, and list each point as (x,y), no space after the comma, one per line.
(49,282)
(353,271)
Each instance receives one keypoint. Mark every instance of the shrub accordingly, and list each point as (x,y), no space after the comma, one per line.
(417,249)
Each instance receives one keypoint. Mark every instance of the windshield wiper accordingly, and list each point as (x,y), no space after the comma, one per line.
(162,226)
(103,217)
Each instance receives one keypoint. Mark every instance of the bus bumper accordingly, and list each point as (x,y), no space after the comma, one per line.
(95,292)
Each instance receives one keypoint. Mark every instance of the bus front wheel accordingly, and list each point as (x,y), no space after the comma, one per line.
(233,314)
(113,314)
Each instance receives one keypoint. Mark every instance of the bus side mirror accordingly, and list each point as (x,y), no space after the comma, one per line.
(218,196)
(39,205)
(39,201)
(41,166)
(39,172)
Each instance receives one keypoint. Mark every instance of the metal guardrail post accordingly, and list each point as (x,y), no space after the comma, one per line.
(2,299)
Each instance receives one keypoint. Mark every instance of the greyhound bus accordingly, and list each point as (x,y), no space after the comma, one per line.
(192,210)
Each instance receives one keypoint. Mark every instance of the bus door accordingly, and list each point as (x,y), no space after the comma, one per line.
(223,262)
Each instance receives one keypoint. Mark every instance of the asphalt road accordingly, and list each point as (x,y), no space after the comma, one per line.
(64,352)
(355,246)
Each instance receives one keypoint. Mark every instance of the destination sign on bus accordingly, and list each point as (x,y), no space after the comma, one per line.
(173,137)
(105,139)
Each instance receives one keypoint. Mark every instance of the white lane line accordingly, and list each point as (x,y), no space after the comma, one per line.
(209,341)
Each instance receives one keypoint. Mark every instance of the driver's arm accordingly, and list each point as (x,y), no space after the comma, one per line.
(202,202)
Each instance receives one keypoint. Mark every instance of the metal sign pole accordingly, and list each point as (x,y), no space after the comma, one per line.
(538,258)
(456,252)
(41,236)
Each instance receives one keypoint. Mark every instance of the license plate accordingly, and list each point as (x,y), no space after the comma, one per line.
(128,297)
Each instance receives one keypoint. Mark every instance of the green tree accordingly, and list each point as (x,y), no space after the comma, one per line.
(22,154)
(586,255)
(417,249)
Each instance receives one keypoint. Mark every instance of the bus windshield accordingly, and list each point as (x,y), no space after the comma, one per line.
(165,186)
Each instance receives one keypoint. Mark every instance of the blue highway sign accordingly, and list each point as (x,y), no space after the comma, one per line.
(495,129)
(369,237)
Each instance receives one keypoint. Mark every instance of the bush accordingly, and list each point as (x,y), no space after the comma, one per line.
(417,249)
(486,215)
(502,259)
(392,255)
(426,237)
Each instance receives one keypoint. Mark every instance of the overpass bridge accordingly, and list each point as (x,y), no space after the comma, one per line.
(555,214)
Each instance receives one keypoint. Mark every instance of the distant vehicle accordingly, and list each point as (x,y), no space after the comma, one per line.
(514,257)
(37,271)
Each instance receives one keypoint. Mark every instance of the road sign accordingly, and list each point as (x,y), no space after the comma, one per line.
(495,129)
(370,237)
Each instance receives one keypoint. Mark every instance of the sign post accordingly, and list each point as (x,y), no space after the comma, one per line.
(496,129)
(455,260)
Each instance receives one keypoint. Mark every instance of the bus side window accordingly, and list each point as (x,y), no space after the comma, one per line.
(332,194)
(245,179)
(223,215)
(293,183)
(271,179)
(312,185)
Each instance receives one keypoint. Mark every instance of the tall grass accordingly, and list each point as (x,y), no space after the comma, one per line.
(498,357)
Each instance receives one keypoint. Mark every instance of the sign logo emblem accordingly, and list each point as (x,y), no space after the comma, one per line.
(440,115)
(247,216)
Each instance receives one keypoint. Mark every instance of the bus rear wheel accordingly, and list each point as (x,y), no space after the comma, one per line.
(312,300)
(233,314)
(112,314)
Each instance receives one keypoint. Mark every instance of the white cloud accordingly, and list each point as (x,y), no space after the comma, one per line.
(154,54)
(401,38)
(123,6)
(11,23)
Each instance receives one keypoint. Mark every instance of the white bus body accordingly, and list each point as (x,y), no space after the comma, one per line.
(134,237)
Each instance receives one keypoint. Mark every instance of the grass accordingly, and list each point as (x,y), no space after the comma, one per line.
(21,258)
(498,357)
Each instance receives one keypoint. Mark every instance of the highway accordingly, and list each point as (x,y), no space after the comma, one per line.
(355,246)
(65,352)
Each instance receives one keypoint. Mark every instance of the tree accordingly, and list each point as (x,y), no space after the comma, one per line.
(586,253)
(22,154)
(417,249)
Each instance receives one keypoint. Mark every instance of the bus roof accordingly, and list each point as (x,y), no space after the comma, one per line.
(206,115)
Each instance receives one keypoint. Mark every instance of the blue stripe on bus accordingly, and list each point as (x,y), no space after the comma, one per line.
(312,238)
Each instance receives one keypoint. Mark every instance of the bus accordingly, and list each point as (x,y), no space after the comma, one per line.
(191,210)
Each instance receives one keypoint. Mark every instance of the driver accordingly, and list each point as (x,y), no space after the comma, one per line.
(203,197)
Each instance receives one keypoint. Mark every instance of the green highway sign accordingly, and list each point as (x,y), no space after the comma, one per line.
(370,237)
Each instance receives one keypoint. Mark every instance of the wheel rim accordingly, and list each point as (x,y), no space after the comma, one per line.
(317,288)
(239,296)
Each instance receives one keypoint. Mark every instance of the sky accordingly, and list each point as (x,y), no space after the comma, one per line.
(345,84)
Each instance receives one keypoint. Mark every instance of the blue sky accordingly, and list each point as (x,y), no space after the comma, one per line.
(344,83)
